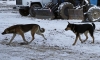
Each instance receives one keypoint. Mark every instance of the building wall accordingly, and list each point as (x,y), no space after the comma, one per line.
(8,2)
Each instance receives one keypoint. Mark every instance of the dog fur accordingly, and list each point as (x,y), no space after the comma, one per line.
(81,28)
(22,28)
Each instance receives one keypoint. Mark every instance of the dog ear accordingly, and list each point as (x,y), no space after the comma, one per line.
(68,23)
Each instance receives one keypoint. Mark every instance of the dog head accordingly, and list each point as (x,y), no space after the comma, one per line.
(68,27)
(8,31)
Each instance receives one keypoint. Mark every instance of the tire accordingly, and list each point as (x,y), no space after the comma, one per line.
(24,12)
(31,11)
(94,13)
(63,9)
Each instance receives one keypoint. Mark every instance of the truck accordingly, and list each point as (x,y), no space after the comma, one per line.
(25,6)
(63,9)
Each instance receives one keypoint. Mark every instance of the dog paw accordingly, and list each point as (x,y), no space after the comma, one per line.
(82,41)
(73,44)
(92,42)
(26,42)
(45,39)
(8,44)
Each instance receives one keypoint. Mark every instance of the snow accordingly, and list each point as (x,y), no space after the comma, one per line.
(58,45)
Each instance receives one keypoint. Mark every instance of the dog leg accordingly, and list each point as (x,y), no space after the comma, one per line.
(80,39)
(92,38)
(12,39)
(86,34)
(32,38)
(33,31)
(76,39)
(25,42)
(24,38)
(42,36)
(39,33)
(22,34)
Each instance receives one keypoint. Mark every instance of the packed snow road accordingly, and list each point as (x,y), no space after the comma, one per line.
(58,45)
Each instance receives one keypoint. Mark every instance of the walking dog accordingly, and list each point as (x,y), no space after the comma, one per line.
(21,29)
(81,28)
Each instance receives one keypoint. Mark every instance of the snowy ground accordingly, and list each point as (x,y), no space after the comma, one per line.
(58,45)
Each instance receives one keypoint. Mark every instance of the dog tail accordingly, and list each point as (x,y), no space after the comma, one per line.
(93,25)
(42,30)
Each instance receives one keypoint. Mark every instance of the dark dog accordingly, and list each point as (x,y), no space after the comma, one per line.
(81,28)
(21,29)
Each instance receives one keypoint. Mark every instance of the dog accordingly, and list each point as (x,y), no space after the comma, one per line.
(22,28)
(81,28)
